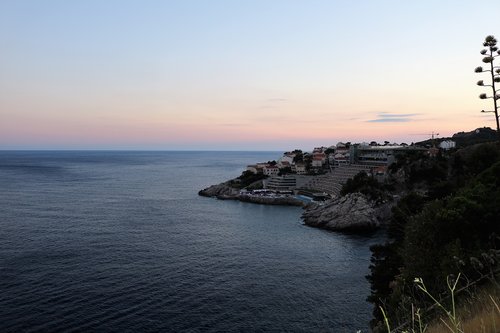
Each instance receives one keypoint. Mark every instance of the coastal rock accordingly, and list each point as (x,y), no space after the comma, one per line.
(353,212)
(221,191)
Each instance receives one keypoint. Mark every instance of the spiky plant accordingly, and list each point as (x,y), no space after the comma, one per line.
(491,52)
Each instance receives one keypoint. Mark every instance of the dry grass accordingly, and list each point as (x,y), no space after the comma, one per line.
(479,314)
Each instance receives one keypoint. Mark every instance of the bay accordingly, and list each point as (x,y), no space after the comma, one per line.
(119,241)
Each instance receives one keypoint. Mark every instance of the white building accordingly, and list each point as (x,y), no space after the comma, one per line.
(271,170)
(447,144)
(318,159)
(317,162)
(286,182)
(341,158)
(286,158)
(299,168)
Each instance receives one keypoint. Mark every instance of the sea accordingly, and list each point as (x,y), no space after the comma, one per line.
(120,241)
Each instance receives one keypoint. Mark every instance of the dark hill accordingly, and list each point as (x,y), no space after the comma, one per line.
(464,139)
(478,135)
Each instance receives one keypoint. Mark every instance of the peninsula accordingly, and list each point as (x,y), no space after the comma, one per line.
(343,187)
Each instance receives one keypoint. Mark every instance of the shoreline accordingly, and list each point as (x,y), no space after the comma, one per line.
(353,213)
(224,192)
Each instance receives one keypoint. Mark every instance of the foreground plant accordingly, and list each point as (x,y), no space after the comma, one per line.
(482,315)
(455,326)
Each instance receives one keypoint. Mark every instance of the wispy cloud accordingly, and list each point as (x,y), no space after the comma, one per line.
(482,116)
(386,117)
(389,120)
(272,103)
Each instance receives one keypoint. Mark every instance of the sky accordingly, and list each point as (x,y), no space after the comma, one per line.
(240,74)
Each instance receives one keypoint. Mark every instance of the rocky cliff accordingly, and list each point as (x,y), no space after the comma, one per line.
(353,212)
(220,191)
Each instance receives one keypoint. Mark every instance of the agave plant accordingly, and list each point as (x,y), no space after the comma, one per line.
(491,52)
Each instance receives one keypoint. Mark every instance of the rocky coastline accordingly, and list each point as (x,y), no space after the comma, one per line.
(220,191)
(225,192)
(353,212)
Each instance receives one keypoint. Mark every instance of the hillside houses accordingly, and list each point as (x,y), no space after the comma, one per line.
(318,159)
(271,170)
(325,159)
(286,160)
(299,168)
(341,154)
(326,169)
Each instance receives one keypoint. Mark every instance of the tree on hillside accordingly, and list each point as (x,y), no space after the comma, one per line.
(452,228)
(491,52)
(299,156)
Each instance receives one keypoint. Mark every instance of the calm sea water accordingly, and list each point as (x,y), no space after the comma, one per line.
(121,242)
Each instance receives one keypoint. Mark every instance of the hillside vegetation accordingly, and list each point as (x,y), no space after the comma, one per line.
(448,223)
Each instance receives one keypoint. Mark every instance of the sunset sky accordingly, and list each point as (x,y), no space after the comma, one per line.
(239,75)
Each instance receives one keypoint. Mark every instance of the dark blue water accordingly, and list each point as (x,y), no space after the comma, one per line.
(121,242)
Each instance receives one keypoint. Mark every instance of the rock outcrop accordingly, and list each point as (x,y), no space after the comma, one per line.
(220,191)
(353,212)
